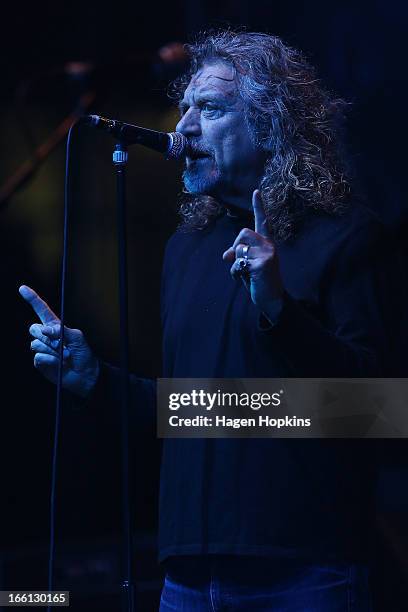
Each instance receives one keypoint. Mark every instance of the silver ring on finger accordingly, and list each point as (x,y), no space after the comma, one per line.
(245,251)
(243,265)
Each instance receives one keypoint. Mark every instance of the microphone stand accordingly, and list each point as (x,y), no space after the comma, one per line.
(120,157)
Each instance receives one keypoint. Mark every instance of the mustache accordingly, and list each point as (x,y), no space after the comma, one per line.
(195,149)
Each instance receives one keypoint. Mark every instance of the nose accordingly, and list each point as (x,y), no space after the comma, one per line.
(189,124)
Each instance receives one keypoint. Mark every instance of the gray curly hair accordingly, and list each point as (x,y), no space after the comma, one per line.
(290,116)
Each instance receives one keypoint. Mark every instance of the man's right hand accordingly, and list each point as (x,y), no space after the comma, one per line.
(80,366)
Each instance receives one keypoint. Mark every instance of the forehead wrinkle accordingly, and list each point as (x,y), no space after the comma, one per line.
(195,88)
(215,76)
(195,82)
(207,66)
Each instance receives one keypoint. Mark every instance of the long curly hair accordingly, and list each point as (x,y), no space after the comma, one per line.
(290,115)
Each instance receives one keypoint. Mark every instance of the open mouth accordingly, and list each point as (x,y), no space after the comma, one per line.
(196,154)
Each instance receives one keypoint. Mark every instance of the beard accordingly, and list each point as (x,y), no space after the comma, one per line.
(201,176)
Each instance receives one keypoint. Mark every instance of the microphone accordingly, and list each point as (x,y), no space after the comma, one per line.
(173,145)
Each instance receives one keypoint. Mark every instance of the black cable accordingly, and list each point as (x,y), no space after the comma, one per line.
(60,370)
(128,587)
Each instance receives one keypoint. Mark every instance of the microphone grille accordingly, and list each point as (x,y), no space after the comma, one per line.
(177,145)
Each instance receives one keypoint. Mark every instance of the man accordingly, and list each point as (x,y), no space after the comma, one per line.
(258,524)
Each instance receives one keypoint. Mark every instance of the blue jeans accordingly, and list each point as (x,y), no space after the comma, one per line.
(242,584)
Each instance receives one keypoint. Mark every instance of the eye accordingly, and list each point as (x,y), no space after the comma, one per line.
(210,109)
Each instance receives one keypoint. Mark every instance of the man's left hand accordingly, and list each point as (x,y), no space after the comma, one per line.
(260,273)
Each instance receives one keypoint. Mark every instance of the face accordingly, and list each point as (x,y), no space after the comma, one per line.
(222,160)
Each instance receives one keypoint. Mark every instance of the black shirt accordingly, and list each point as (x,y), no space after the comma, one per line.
(280,497)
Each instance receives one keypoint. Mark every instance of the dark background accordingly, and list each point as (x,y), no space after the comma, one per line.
(360,51)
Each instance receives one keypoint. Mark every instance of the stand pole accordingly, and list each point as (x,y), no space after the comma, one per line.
(128,591)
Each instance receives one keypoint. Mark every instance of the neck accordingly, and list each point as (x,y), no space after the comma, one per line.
(238,204)
(238,212)
(238,195)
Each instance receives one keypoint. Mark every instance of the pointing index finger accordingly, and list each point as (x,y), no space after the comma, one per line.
(41,308)
(259,214)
